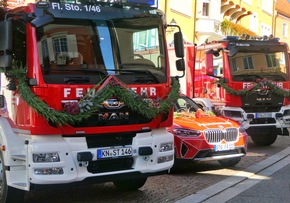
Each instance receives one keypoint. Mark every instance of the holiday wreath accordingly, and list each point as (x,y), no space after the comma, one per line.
(90,103)
(262,84)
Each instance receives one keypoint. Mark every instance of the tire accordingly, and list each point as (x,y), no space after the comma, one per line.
(229,162)
(264,139)
(130,185)
(8,194)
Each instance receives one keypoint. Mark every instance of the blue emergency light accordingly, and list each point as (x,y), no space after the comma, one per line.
(151,3)
(231,38)
(146,2)
(142,3)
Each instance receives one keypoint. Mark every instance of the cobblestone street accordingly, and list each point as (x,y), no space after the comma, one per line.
(165,188)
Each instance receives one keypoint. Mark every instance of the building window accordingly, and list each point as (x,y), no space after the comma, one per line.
(267,6)
(271,60)
(145,40)
(60,50)
(248,63)
(177,6)
(265,29)
(205,9)
(60,46)
(44,47)
(285,29)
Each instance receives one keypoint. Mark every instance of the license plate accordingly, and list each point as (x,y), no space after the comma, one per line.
(224,147)
(263,115)
(114,152)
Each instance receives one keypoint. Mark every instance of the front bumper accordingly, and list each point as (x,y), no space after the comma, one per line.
(76,170)
(280,119)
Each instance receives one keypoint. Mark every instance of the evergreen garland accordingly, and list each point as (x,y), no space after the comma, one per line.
(89,104)
(260,84)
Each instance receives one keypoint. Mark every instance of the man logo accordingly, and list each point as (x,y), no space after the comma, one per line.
(262,91)
(113,104)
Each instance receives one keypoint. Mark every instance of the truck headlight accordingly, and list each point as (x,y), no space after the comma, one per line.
(164,147)
(164,159)
(48,171)
(45,157)
(231,114)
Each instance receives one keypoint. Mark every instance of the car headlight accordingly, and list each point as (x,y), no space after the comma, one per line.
(242,129)
(186,132)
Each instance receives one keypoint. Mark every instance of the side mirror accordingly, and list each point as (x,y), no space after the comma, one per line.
(2,101)
(42,20)
(5,44)
(178,44)
(209,68)
(180,64)
(232,50)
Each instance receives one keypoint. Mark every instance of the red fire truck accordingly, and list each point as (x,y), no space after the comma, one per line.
(245,79)
(86,94)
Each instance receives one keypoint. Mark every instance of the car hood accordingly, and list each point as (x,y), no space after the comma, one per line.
(204,123)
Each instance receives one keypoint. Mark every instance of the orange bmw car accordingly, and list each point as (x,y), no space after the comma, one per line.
(202,136)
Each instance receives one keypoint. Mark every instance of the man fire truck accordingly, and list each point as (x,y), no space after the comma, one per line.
(247,80)
(86,94)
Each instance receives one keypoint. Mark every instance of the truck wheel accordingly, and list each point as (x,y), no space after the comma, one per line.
(229,162)
(127,185)
(8,194)
(264,139)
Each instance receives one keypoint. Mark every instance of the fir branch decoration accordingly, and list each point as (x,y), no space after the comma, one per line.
(260,84)
(88,105)
(198,114)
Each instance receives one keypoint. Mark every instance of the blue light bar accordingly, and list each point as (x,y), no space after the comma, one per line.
(141,3)
(231,38)
(146,2)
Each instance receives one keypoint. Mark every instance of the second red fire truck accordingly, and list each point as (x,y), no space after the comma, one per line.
(247,80)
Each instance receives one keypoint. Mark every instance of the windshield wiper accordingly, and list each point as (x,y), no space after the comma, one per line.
(73,80)
(82,70)
(79,69)
(152,78)
(247,77)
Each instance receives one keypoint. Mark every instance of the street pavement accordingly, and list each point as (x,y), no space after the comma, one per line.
(194,180)
(267,181)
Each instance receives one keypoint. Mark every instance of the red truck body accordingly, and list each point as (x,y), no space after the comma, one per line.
(86,94)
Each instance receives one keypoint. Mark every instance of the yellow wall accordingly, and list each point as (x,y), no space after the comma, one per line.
(256,9)
(282,16)
(185,22)
(279,31)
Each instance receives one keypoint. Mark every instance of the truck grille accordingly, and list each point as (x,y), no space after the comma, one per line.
(217,135)
(110,140)
(262,103)
(109,165)
(113,117)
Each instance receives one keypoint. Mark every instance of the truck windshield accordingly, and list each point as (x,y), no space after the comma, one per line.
(253,65)
(86,51)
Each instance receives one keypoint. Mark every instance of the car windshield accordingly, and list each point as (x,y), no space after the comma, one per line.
(185,104)
(85,51)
